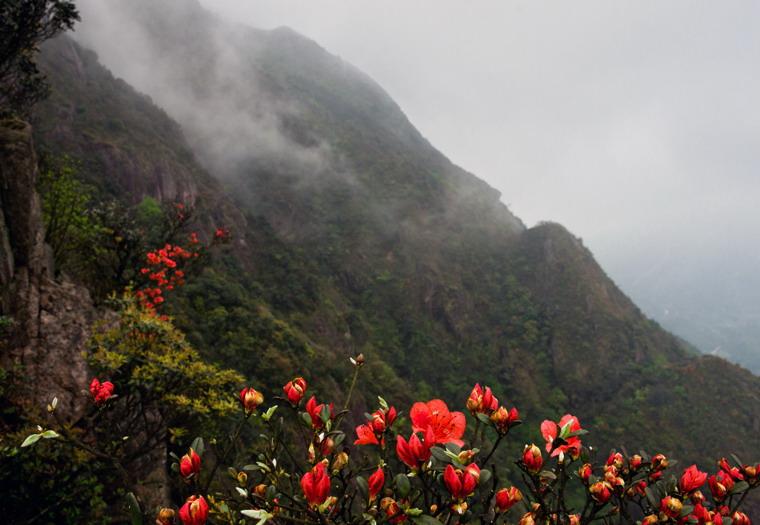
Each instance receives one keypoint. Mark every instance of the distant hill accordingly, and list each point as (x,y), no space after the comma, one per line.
(353,233)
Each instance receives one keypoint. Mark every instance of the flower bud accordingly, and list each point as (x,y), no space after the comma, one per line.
(250,399)
(532,458)
(190,464)
(575,519)
(340,461)
(165,516)
(635,462)
(194,511)
(659,462)
(527,519)
(242,478)
(260,490)
(601,491)
(585,472)
(739,518)
(504,419)
(671,507)
(295,390)
(650,520)
(507,498)
(615,459)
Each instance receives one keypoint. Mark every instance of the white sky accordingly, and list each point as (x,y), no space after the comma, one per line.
(625,121)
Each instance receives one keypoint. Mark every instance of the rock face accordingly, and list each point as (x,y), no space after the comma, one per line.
(50,320)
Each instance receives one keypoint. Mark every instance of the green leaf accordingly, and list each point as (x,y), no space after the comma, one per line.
(198,446)
(441,454)
(135,514)
(31,440)
(654,502)
(739,487)
(485,476)
(424,519)
(383,403)
(324,414)
(266,416)
(362,486)
(50,434)
(737,460)
(403,485)
(483,418)
(306,418)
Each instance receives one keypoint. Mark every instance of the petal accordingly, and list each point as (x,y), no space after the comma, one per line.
(420,416)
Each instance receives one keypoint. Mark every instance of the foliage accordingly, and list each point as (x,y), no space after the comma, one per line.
(157,369)
(71,229)
(24,25)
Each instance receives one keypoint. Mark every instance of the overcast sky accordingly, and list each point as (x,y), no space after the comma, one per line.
(628,122)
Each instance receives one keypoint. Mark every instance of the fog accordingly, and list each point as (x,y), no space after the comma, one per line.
(634,124)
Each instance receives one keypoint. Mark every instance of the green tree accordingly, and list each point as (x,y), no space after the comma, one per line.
(24,25)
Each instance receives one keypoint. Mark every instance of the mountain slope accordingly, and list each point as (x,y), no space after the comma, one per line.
(360,236)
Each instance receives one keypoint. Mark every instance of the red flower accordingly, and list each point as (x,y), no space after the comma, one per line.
(448,427)
(316,485)
(194,511)
(532,458)
(315,411)
(659,462)
(295,390)
(250,399)
(505,419)
(371,433)
(376,482)
(366,435)
(739,518)
(101,392)
(671,507)
(691,479)
(732,471)
(720,485)
(190,464)
(601,491)
(553,431)
(461,483)
(414,453)
(585,472)
(481,401)
(393,511)
(506,498)
(616,459)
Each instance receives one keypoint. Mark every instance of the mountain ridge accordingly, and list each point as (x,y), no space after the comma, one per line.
(414,273)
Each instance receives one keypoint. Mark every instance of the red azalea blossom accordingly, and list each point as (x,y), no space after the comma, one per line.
(551,431)
(101,392)
(376,482)
(316,485)
(461,483)
(194,511)
(295,390)
(190,464)
(734,472)
(250,399)
(671,507)
(415,452)
(601,491)
(393,511)
(532,458)
(739,518)
(507,498)
(691,479)
(481,401)
(504,419)
(585,472)
(720,485)
(366,435)
(448,427)
(315,411)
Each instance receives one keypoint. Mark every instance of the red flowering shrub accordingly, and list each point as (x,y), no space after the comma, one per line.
(301,470)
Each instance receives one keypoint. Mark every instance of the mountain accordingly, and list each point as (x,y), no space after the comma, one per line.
(354,234)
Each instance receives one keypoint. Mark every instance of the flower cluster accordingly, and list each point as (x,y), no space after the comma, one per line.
(164,272)
(442,471)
